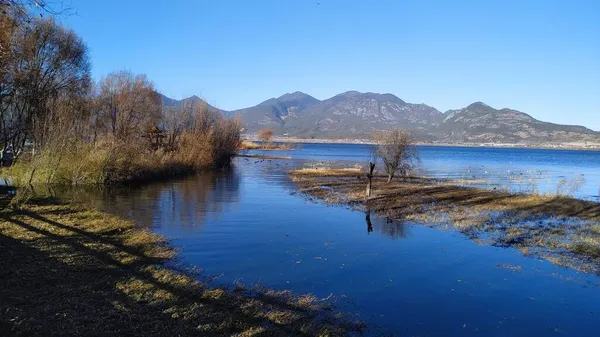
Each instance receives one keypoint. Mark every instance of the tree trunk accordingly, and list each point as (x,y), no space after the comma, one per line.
(370,179)
(368,219)
(390,176)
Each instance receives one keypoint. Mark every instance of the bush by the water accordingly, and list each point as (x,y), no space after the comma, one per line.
(112,160)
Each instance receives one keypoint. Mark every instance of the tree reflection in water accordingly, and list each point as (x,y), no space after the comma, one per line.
(393,229)
(184,203)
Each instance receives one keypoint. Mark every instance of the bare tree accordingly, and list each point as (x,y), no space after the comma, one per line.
(34,6)
(48,65)
(128,104)
(211,137)
(265,135)
(204,117)
(175,120)
(396,151)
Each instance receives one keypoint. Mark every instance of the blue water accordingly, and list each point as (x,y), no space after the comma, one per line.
(249,225)
(522,170)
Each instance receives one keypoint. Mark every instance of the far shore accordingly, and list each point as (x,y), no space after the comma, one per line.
(569,146)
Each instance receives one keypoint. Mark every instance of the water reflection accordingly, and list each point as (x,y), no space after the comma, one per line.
(247,225)
(393,229)
(184,203)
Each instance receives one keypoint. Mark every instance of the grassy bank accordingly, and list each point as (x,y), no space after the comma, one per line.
(66,270)
(211,143)
(564,230)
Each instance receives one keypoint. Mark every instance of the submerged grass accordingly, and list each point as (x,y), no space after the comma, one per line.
(557,226)
(66,270)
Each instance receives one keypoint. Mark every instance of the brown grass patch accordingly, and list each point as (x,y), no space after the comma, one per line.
(327,172)
(248,145)
(544,225)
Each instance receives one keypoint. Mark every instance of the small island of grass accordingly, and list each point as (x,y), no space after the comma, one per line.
(559,228)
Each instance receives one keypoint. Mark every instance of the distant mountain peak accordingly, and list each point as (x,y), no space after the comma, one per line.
(479,105)
(355,114)
(351,93)
(296,95)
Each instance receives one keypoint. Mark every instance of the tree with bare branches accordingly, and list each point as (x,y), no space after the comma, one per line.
(175,120)
(396,151)
(48,66)
(128,105)
(265,135)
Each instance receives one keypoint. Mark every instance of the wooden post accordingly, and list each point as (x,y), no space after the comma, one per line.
(370,179)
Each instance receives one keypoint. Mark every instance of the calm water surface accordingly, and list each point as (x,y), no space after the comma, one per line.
(522,170)
(249,225)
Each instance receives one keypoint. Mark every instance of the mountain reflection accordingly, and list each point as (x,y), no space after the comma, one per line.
(393,229)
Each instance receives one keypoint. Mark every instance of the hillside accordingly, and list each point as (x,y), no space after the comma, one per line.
(480,123)
(276,112)
(356,115)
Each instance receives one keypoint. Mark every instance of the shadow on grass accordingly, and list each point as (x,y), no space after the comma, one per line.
(75,272)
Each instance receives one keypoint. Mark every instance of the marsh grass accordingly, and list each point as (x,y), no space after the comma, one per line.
(114,161)
(66,270)
(543,225)
(249,145)
(209,140)
(327,172)
(261,156)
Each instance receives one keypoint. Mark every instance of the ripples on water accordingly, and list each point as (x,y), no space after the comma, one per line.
(249,225)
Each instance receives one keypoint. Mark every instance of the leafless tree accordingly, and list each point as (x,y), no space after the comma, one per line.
(265,135)
(176,120)
(204,118)
(396,151)
(48,66)
(210,138)
(27,9)
(128,105)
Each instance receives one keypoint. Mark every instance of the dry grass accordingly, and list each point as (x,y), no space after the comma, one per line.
(248,145)
(73,159)
(70,271)
(326,172)
(589,246)
(544,225)
(113,161)
(261,156)
(103,163)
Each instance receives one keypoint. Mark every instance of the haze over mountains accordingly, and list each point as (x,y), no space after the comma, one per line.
(355,115)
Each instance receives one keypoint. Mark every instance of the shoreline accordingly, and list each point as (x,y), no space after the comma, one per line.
(70,270)
(580,147)
(558,228)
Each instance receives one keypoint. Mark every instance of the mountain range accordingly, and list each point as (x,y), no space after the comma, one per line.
(355,115)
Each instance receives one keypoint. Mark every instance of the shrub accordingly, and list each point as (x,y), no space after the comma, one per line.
(110,161)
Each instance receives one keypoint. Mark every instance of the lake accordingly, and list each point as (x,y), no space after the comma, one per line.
(249,225)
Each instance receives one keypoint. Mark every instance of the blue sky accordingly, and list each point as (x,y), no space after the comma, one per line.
(537,56)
